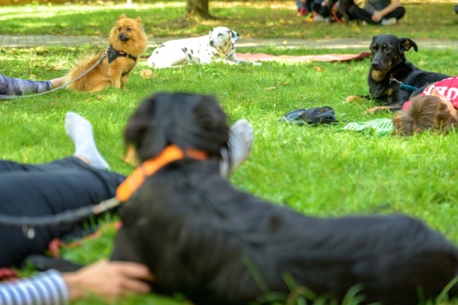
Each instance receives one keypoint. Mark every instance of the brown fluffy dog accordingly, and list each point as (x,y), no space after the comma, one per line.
(127,42)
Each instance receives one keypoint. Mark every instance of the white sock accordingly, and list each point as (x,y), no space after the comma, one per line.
(80,132)
(240,144)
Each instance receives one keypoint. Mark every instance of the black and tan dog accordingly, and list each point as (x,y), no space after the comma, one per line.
(392,79)
(208,241)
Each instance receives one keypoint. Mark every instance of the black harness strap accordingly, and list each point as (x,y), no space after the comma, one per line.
(113,54)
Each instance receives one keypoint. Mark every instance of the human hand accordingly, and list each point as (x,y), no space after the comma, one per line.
(108,280)
(376,16)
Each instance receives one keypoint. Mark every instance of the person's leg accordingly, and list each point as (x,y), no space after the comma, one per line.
(17,86)
(357,13)
(397,13)
(308,5)
(47,193)
(301,9)
(8,167)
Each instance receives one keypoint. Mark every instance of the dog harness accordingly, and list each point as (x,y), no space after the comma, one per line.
(149,167)
(113,54)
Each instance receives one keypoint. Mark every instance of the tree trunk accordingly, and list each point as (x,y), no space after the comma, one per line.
(197,8)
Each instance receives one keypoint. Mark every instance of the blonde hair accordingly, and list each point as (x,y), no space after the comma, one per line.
(425,113)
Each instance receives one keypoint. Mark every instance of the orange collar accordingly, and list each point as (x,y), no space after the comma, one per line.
(149,167)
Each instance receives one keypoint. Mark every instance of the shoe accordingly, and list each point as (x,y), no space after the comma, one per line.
(311,116)
(302,12)
(318,18)
(389,21)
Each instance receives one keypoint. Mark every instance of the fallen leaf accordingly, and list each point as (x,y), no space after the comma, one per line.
(146,73)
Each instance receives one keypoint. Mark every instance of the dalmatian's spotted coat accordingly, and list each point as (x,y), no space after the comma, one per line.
(217,46)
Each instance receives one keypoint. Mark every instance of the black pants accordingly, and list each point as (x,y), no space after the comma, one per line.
(357,13)
(324,11)
(46,189)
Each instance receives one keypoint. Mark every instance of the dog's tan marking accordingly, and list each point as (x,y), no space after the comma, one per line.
(378,76)
(354,99)
(377,109)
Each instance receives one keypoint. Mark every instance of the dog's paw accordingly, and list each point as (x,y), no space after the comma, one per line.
(354,99)
(255,63)
(378,109)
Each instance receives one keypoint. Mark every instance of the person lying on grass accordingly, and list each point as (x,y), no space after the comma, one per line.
(435,109)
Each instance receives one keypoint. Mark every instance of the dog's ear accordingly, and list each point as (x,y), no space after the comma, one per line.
(210,32)
(406,44)
(139,20)
(139,129)
(123,16)
(234,36)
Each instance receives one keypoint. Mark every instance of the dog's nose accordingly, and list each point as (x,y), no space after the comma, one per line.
(123,37)
(375,66)
(211,42)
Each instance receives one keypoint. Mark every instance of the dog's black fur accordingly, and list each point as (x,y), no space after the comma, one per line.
(216,245)
(388,62)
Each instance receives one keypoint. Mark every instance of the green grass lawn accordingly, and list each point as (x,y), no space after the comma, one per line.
(260,19)
(320,171)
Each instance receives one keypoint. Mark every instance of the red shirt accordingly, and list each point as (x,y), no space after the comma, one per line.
(447,87)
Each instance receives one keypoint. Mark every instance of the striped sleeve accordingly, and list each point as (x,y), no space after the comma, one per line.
(47,288)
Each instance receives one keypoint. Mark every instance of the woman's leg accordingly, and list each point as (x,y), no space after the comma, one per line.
(52,188)
(357,13)
(47,193)
(17,86)
(397,13)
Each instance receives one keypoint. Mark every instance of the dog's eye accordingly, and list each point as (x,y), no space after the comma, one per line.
(219,35)
(129,29)
(119,28)
(387,49)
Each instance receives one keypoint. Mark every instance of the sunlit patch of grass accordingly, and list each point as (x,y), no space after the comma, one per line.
(257,19)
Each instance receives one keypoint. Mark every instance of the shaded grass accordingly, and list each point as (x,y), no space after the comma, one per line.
(262,19)
(321,171)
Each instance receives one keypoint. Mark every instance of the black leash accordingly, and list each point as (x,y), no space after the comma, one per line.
(11,97)
(29,223)
(399,71)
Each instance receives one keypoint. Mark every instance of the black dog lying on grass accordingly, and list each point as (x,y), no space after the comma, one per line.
(206,240)
(392,79)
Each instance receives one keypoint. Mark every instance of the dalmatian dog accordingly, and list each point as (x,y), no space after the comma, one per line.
(217,46)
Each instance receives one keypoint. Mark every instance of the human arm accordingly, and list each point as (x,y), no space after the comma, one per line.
(107,280)
(377,16)
(46,288)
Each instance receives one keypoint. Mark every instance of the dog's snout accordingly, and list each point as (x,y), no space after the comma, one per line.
(123,37)
(375,65)
(211,43)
